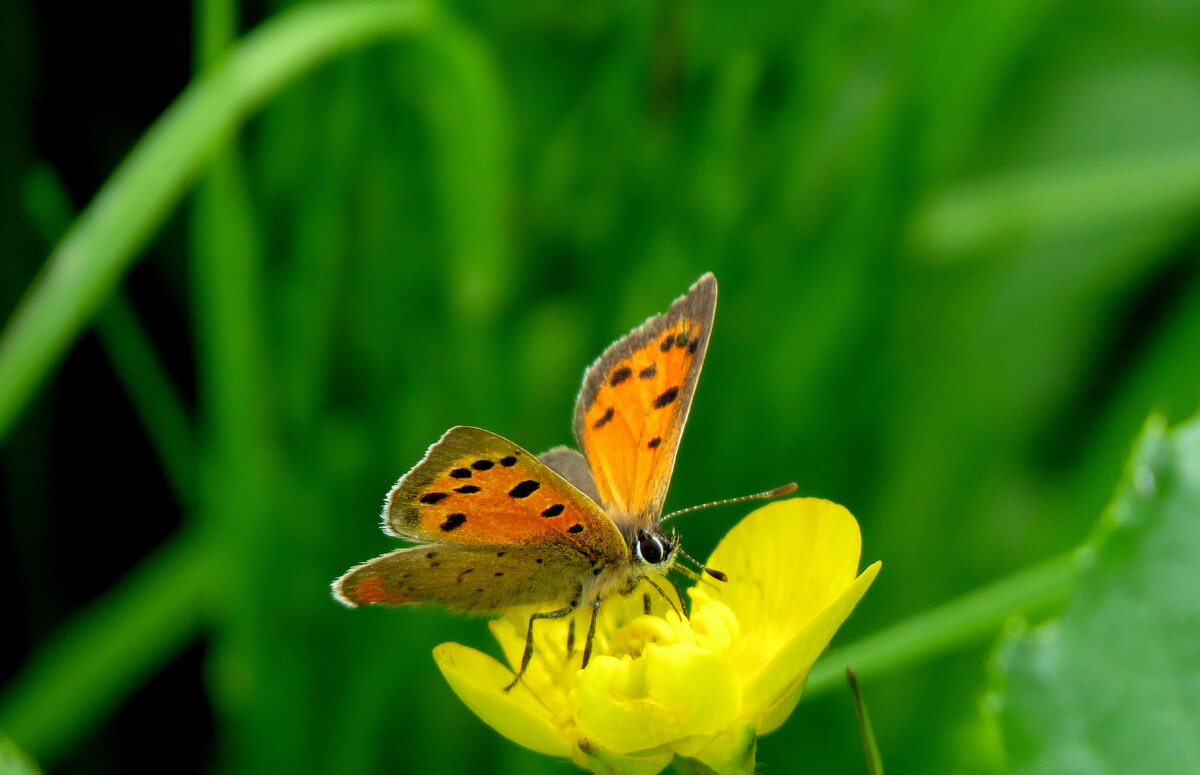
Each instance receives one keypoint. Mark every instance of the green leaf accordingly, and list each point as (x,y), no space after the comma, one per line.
(1113,684)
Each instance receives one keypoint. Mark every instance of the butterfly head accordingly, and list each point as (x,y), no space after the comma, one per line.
(653,548)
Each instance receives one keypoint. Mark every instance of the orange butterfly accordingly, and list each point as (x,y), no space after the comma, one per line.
(499,527)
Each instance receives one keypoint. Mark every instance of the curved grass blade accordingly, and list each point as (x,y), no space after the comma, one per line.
(103,242)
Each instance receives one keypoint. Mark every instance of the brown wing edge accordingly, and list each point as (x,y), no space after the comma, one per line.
(699,303)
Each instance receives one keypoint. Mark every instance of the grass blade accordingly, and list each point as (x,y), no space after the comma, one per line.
(102,243)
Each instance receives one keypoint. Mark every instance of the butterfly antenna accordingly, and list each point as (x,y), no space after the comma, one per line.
(777,492)
(716,574)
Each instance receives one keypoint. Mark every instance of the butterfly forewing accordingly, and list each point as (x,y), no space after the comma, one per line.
(477,488)
(634,403)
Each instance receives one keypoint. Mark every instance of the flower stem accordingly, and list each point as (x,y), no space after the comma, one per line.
(956,624)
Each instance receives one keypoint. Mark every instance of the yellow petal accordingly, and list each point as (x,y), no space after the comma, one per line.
(786,562)
(670,692)
(479,682)
(773,692)
(714,625)
(601,762)
(729,753)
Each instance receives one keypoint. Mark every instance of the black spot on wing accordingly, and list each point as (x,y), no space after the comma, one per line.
(553,511)
(467,489)
(482,465)
(576,528)
(666,398)
(432,497)
(453,521)
(681,340)
(461,473)
(692,347)
(524,489)
(608,415)
(648,372)
(508,462)
(654,442)
(667,343)
(620,375)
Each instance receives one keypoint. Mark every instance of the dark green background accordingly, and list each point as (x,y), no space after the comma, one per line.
(956,245)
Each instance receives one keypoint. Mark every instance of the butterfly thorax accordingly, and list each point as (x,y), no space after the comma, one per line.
(623,578)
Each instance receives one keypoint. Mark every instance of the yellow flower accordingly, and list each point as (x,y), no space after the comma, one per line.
(657,687)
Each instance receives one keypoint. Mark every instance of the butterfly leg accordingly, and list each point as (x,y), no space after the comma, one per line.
(587,646)
(528,655)
(662,593)
(683,601)
(570,638)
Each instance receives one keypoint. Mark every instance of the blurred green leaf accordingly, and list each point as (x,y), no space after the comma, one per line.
(1113,685)
(14,761)
(1072,197)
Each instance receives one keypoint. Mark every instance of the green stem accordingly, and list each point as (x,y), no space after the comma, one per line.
(75,679)
(967,620)
(865,730)
(105,239)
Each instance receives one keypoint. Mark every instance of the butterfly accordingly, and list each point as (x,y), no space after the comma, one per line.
(499,527)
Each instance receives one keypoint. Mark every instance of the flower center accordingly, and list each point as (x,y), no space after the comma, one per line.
(712,626)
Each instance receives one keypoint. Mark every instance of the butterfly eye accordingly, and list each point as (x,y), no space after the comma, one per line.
(652,549)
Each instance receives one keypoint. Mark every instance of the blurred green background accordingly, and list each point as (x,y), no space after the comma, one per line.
(957,252)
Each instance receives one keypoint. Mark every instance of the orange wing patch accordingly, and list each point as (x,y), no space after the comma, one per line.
(634,404)
(363,586)
(475,487)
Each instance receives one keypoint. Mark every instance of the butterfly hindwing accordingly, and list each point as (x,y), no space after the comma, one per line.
(474,487)
(634,403)
(470,579)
